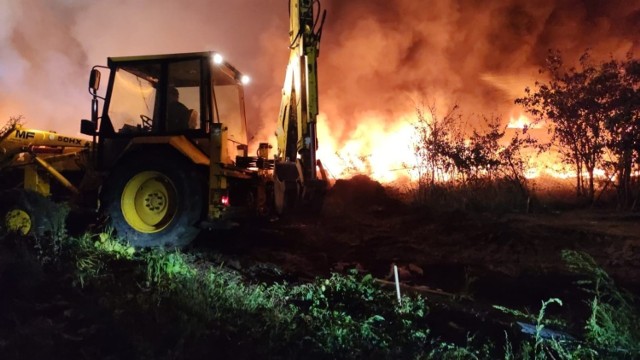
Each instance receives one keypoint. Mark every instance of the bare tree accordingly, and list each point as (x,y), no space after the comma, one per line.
(446,153)
(435,137)
(13,122)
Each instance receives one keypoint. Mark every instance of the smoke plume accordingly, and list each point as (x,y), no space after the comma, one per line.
(378,57)
(49,46)
(384,56)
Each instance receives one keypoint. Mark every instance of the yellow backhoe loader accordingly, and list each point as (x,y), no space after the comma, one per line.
(168,154)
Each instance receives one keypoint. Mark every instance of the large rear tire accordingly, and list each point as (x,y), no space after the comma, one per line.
(155,201)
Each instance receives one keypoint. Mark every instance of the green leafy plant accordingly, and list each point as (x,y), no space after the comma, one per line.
(163,265)
(612,329)
(91,253)
(106,242)
(539,339)
(614,323)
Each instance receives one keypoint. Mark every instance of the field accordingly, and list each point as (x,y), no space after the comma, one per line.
(474,282)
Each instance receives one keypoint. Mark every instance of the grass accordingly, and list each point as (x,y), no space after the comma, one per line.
(611,331)
(495,196)
(169,304)
(614,322)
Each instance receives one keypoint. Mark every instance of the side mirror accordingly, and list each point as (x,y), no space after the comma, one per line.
(87,127)
(94,80)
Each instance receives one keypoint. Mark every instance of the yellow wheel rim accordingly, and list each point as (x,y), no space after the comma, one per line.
(18,221)
(149,202)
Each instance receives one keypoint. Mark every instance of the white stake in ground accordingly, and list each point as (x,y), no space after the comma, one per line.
(395,273)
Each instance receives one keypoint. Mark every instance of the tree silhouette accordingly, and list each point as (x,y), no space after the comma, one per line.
(594,111)
(445,152)
(618,93)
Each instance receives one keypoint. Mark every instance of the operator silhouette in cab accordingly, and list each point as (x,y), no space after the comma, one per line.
(179,117)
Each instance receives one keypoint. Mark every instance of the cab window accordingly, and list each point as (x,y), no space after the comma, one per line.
(133,99)
(183,96)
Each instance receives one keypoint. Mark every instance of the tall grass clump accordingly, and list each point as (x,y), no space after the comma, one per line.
(614,321)
(611,330)
(91,256)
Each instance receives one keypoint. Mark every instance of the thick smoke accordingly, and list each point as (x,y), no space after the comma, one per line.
(385,56)
(378,57)
(49,46)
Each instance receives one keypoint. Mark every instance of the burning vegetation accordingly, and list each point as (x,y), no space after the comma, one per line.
(588,117)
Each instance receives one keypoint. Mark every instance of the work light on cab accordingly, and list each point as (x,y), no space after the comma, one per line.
(217,59)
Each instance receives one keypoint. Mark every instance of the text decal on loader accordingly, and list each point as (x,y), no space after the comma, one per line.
(25,134)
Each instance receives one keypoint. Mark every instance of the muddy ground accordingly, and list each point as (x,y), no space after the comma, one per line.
(464,262)
(512,259)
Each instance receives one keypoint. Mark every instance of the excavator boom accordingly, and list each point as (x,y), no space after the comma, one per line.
(298,172)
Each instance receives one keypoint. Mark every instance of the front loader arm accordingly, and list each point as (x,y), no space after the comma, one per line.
(30,149)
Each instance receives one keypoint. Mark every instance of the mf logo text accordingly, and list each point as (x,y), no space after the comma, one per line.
(25,134)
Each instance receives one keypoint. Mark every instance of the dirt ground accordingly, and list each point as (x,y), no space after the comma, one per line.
(511,259)
(464,262)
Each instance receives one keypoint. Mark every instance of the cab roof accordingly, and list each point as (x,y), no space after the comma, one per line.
(123,60)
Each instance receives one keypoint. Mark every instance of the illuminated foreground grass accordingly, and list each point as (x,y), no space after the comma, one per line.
(173,305)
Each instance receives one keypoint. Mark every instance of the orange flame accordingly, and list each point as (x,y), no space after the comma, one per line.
(381,150)
(385,151)
(523,122)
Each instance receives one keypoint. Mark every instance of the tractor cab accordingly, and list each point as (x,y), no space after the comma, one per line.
(166,96)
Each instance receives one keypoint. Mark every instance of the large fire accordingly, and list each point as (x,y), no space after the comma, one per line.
(382,150)
(375,56)
(385,150)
